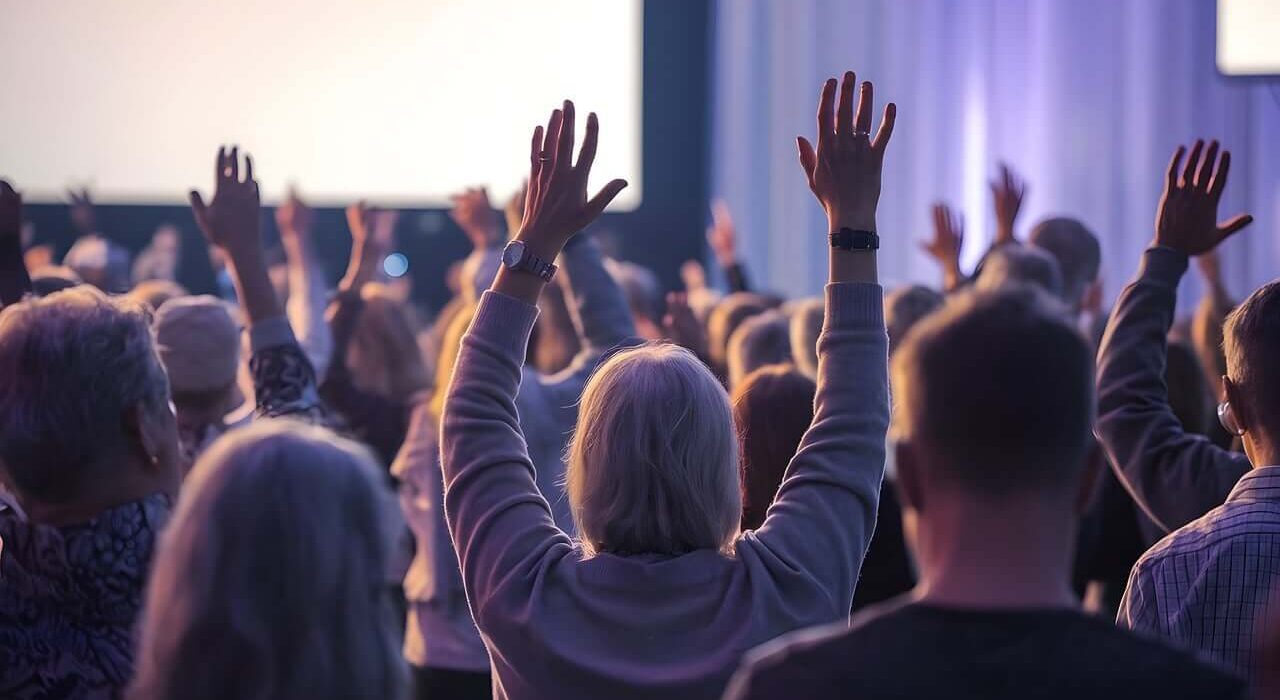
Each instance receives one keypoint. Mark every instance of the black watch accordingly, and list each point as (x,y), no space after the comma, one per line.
(849,239)
(517,257)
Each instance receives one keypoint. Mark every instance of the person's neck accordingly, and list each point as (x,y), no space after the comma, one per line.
(1010,554)
(128,481)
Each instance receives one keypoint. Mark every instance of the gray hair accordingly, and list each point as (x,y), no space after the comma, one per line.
(72,363)
(1076,250)
(653,464)
(761,340)
(904,307)
(275,565)
(806,326)
(1013,265)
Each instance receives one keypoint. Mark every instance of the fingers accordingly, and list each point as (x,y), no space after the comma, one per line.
(550,143)
(808,158)
(587,155)
(233,164)
(1205,172)
(1193,161)
(826,107)
(1171,177)
(564,152)
(885,131)
(720,214)
(844,113)
(220,171)
(1233,225)
(198,209)
(862,121)
(248,168)
(1219,181)
(596,205)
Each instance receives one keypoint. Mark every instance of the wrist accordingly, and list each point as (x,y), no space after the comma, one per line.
(858,221)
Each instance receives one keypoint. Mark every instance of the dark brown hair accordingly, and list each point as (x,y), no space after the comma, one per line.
(772,409)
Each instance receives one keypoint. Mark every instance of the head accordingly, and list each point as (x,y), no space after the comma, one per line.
(1021,265)
(53,278)
(555,344)
(85,422)
(275,564)
(1077,252)
(199,345)
(653,464)
(772,409)
(904,307)
(154,293)
(806,326)
(994,397)
(384,357)
(101,263)
(643,293)
(725,319)
(762,340)
(1252,383)
(1188,393)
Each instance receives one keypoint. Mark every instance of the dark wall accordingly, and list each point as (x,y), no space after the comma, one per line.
(663,232)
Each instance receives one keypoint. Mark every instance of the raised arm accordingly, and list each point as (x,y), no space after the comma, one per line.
(500,523)
(823,516)
(283,380)
(306,306)
(948,239)
(15,283)
(722,237)
(1174,476)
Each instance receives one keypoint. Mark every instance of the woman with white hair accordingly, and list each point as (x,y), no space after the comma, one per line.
(662,594)
(270,579)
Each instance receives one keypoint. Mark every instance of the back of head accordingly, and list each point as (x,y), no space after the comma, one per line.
(270,580)
(155,292)
(762,340)
(73,364)
(384,356)
(904,307)
(772,409)
(1021,265)
(725,319)
(653,464)
(101,263)
(1076,250)
(806,326)
(199,344)
(1251,340)
(995,393)
(53,278)
(642,290)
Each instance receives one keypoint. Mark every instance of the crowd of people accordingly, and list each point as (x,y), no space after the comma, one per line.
(996,488)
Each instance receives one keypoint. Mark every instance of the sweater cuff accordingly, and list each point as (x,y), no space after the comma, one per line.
(506,322)
(854,305)
(1163,266)
(271,333)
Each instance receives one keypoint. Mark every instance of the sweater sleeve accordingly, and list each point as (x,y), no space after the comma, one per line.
(501,525)
(284,383)
(822,519)
(597,305)
(1174,476)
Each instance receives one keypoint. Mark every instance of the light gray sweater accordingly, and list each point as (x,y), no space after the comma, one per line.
(560,625)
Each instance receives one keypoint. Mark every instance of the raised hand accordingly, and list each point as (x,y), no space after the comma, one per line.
(694,276)
(722,236)
(682,327)
(844,170)
(948,237)
(10,214)
(294,217)
(513,212)
(556,205)
(473,214)
(231,220)
(1186,220)
(1007,193)
(82,213)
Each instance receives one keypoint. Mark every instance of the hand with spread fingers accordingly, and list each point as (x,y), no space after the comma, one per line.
(83,216)
(722,235)
(1007,193)
(1187,218)
(294,217)
(231,219)
(475,216)
(948,239)
(844,169)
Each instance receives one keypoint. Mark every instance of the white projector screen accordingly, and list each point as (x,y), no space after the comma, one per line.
(401,102)
(1249,37)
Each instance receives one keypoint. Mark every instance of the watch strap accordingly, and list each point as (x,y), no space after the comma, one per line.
(851,239)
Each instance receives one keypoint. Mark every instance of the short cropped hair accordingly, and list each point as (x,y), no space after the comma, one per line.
(1022,265)
(759,341)
(997,389)
(1251,341)
(72,363)
(1077,251)
(806,326)
(653,463)
(725,318)
(906,306)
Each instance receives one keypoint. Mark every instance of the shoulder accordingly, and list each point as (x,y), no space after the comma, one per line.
(1215,530)
(1147,660)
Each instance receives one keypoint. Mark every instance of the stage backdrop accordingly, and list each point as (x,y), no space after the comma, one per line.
(1087,99)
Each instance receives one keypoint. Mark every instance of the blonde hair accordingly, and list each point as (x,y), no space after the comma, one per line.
(271,578)
(653,464)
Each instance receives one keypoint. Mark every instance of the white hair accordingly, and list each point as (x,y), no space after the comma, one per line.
(653,464)
(270,580)
(806,326)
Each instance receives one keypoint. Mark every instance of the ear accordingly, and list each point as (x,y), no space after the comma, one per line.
(1095,460)
(141,436)
(908,478)
(1239,408)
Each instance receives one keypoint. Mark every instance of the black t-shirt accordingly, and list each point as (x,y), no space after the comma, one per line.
(913,650)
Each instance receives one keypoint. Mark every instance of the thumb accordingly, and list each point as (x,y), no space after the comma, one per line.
(596,205)
(808,158)
(198,209)
(1233,225)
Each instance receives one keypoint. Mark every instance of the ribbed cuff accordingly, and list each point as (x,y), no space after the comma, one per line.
(271,333)
(506,322)
(1163,266)
(855,305)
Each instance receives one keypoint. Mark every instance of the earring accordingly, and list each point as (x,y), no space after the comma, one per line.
(1227,418)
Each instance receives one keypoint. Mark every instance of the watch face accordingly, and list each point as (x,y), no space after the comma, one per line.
(513,253)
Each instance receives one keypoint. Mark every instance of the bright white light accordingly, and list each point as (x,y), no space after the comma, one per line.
(1247,33)
(395,265)
(401,102)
